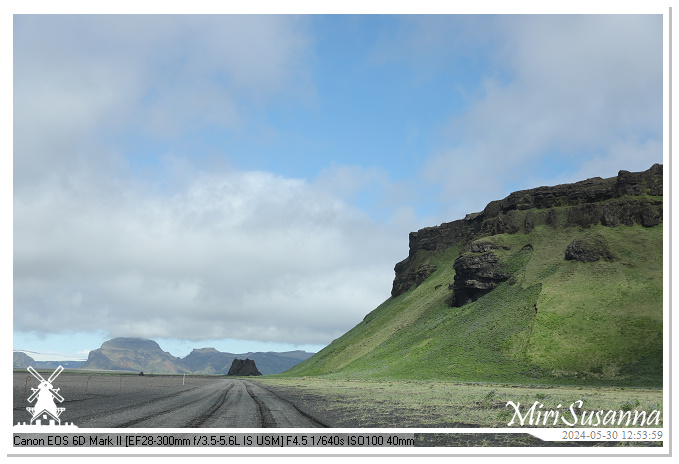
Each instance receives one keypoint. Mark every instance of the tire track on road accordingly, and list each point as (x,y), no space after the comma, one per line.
(167,411)
(224,403)
(265,410)
(119,410)
(265,417)
(95,396)
(201,419)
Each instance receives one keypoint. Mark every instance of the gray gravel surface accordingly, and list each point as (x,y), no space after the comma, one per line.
(155,401)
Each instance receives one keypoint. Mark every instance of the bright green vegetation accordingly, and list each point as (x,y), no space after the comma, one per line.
(365,403)
(552,322)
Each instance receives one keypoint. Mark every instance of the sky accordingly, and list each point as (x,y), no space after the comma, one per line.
(249,182)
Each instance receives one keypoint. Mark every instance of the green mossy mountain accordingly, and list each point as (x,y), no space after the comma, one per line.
(556,284)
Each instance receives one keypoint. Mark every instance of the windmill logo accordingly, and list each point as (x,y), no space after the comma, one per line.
(45,408)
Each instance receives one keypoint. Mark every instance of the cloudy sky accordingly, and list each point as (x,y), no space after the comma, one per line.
(249,182)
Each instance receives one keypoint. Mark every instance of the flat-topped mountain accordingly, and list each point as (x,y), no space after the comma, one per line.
(551,284)
(134,354)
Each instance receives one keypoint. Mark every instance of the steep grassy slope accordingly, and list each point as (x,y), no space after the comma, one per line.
(552,320)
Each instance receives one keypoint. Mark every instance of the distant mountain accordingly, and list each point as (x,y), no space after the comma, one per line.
(55,364)
(211,361)
(138,354)
(21,359)
(134,354)
(207,361)
(274,363)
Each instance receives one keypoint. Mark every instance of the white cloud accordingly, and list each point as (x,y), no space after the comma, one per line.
(630,155)
(233,255)
(252,255)
(196,255)
(569,90)
(78,77)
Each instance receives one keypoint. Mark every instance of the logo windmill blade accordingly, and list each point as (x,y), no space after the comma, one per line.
(56,395)
(33,395)
(55,374)
(35,374)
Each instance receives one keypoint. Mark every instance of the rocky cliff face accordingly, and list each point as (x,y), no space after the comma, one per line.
(476,274)
(629,198)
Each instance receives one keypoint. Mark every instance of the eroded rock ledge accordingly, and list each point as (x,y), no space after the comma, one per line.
(476,275)
(629,198)
(588,250)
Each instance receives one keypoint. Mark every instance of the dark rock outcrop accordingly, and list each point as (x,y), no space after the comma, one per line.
(211,361)
(638,183)
(628,199)
(588,250)
(476,275)
(243,367)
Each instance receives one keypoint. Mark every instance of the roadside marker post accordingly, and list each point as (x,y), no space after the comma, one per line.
(25,386)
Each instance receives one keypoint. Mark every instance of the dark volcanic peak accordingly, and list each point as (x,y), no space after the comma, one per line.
(243,367)
(628,199)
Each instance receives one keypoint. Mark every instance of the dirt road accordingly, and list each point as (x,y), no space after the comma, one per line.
(213,403)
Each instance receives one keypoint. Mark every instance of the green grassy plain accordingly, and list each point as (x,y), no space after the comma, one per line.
(371,403)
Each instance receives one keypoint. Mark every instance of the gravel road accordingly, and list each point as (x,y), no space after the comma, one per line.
(117,401)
